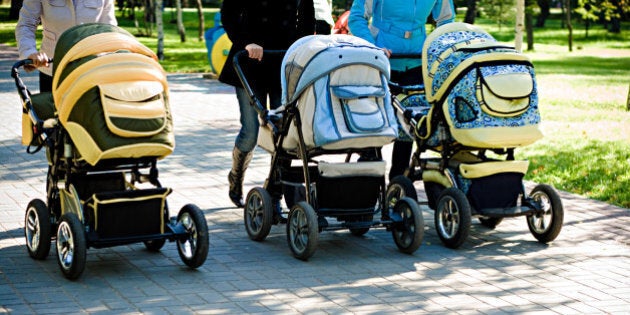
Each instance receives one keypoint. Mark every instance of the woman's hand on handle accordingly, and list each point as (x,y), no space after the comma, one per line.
(40,59)
(254,51)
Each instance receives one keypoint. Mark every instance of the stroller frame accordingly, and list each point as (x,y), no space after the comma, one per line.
(307,218)
(73,188)
(453,209)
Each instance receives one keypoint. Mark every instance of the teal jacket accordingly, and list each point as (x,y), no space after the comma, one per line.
(398,25)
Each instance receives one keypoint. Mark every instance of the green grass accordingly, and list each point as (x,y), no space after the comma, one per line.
(583,95)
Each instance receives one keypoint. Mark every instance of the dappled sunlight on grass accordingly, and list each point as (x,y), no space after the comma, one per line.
(593,168)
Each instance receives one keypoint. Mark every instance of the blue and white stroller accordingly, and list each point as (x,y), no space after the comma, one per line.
(336,103)
(482,104)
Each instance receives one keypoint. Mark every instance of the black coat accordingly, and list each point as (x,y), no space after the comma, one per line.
(272,24)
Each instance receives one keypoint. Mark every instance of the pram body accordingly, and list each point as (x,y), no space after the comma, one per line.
(104,127)
(335,103)
(477,105)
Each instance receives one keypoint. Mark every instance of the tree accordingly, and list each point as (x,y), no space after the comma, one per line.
(567,10)
(180,22)
(544,6)
(201,19)
(160,29)
(471,11)
(14,11)
(500,11)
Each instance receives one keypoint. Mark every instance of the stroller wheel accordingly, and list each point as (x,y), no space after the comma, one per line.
(302,230)
(37,229)
(194,249)
(546,226)
(452,217)
(399,187)
(258,214)
(490,223)
(409,232)
(71,246)
(154,245)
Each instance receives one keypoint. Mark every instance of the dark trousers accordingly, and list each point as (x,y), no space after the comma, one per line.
(401,152)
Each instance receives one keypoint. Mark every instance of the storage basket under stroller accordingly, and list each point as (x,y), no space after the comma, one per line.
(104,127)
(336,102)
(483,105)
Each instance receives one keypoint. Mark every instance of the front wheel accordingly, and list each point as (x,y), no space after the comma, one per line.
(37,229)
(71,246)
(409,232)
(452,217)
(258,214)
(399,187)
(302,230)
(193,250)
(545,226)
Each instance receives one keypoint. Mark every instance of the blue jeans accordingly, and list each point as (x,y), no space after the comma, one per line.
(248,135)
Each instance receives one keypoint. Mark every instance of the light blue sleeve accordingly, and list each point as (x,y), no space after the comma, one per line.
(443,12)
(359,18)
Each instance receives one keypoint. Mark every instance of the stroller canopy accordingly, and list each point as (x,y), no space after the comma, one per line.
(314,56)
(111,94)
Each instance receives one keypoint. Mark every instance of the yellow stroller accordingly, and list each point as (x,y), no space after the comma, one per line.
(478,104)
(103,128)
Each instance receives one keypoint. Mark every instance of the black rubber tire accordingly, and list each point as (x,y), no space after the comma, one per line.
(302,230)
(409,233)
(71,246)
(37,229)
(258,214)
(154,245)
(490,223)
(399,187)
(544,230)
(194,250)
(452,217)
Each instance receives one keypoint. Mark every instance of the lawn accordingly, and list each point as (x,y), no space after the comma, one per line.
(583,99)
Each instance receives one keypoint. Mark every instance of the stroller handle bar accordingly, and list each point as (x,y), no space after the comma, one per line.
(262,110)
(39,126)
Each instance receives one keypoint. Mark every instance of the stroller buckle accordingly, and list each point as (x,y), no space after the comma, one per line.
(407,34)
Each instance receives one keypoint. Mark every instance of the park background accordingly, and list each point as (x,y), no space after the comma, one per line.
(581,57)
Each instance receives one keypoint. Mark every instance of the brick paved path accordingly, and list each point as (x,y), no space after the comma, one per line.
(586,270)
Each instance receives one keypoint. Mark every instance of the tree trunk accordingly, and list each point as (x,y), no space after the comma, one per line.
(567,9)
(544,12)
(529,28)
(14,11)
(180,22)
(160,29)
(471,11)
(518,28)
(202,23)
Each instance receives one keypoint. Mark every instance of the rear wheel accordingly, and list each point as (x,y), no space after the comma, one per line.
(258,214)
(546,225)
(37,229)
(302,230)
(409,232)
(452,217)
(194,249)
(71,246)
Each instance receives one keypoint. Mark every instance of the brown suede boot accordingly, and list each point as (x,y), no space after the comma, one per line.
(240,161)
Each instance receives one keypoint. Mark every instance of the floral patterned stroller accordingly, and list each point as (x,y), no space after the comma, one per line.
(479,102)
(104,127)
(336,103)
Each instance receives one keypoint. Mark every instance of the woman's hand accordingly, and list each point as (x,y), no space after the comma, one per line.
(254,51)
(388,52)
(40,59)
